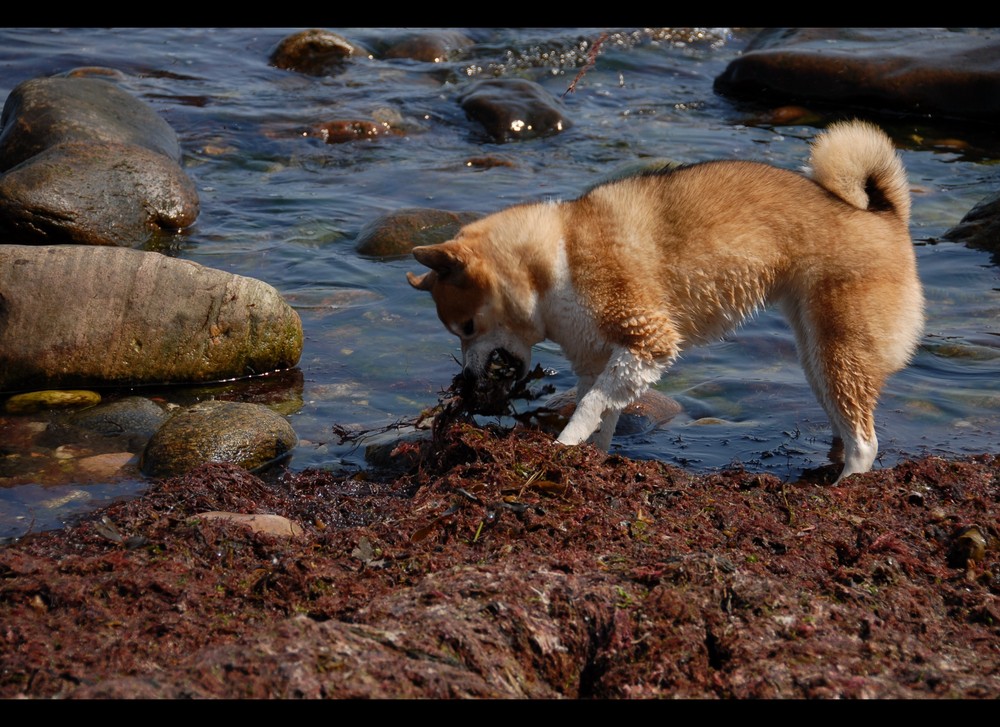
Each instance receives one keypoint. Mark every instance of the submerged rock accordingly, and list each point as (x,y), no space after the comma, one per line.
(249,435)
(345,130)
(79,316)
(431,46)
(132,415)
(399,232)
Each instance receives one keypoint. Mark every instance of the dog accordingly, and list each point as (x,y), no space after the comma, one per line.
(635,270)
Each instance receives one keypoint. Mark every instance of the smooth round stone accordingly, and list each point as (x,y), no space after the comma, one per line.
(397,233)
(252,436)
(315,52)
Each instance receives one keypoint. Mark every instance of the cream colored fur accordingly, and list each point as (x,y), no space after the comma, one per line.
(633,272)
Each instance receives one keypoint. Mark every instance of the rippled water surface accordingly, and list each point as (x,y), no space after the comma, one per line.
(285,207)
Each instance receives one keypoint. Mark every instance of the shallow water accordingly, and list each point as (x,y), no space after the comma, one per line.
(285,207)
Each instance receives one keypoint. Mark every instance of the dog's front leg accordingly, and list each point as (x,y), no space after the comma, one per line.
(624,379)
(600,438)
(586,418)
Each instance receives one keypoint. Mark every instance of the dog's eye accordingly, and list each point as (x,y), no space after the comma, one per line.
(468,328)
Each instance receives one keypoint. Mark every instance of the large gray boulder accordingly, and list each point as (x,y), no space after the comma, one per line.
(83,161)
(86,194)
(73,315)
(43,112)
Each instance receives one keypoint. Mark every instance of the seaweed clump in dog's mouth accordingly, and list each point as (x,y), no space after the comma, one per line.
(491,393)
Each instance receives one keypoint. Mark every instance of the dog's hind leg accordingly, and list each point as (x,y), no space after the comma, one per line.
(847,361)
(810,360)
(850,395)
(841,362)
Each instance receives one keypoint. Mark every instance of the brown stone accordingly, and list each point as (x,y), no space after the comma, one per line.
(315,52)
(911,70)
(511,109)
(44,112)
(397,233)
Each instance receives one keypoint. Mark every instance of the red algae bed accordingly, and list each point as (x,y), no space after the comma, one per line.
(498,565)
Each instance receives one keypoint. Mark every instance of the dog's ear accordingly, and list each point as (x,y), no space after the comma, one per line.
(443,259)
(422,282)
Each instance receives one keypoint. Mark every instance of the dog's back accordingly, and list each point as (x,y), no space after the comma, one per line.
(715,241)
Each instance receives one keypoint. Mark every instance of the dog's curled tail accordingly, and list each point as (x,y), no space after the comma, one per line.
(857,161)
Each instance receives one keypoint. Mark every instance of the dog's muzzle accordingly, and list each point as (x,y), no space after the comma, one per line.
(488,392)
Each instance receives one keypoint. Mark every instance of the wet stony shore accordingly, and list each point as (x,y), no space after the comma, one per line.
(499,567)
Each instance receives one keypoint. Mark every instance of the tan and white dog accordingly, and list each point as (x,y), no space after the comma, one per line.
(635,270)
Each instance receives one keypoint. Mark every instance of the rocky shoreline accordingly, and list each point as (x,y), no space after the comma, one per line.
(501,568)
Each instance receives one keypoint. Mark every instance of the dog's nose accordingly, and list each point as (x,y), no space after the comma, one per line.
(470,374)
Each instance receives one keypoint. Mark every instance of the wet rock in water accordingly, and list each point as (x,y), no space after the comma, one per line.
(249,435)
(33,401)
(81,316)
(315,52)
(980,228)
(489,161)
(109,74)
(125,424)
(106,194)
(511,109)
(133,415)
(431,46)
(399,232)
(949,73)
(18,434)
(85,162)
(107,467)
(44,112)
(338,132)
